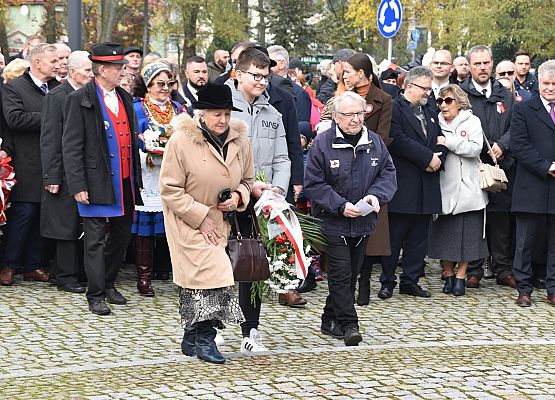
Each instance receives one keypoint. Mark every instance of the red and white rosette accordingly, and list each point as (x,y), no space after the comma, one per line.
(275,205)
(7,182)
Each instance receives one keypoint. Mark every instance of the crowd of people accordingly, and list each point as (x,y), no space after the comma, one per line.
(115,159)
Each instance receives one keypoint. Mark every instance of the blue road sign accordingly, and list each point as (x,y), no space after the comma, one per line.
(415,34)
(390,15)
(412,45)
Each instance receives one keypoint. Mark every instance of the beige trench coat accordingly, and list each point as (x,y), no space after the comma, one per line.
(192,175)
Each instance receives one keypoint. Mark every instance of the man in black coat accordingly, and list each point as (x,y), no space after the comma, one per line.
(492,104)
(532,133)
(21,103)
(417,159)
(101,163)
(59,216)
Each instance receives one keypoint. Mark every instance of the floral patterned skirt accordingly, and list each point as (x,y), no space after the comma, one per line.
(197,305)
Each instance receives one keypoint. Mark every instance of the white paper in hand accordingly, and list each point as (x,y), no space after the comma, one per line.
(364,207)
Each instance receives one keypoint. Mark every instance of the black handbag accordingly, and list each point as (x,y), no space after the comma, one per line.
(247,254)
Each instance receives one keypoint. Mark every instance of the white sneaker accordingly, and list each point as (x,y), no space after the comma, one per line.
(252,344)
(219,339)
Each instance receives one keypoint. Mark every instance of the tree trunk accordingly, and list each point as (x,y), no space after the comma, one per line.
(107,19)
(190,35)
(49,23)
(261,23)
(4,38)
(245,13)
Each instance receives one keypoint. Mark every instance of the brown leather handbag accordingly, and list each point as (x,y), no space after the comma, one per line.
(247,254)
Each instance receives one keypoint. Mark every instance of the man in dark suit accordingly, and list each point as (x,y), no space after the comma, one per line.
(59,216)
(21,102)
(196,73)
(532,133)
(101,162)
(417,159)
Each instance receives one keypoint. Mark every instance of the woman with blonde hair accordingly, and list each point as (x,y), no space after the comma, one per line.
(15,69)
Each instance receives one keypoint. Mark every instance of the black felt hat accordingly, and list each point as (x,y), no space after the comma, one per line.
(108,53)
(264,50)
(132,49)
(215,97)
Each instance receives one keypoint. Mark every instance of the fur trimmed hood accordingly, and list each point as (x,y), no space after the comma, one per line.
(190,126)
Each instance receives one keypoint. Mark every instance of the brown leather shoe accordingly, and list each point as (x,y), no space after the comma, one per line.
(473,282)
(524,300)
(38,275)
(291,299)
(507,281)
(7,276)
(551,299)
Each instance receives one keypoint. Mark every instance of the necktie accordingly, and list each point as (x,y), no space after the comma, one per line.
(420,115)
(552,111)
(44,88)
(485,92)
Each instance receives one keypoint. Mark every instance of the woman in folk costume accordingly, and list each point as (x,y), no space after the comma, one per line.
(154,114)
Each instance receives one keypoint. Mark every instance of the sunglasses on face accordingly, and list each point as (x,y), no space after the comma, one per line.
(509,73)
(447,100)
(162,85)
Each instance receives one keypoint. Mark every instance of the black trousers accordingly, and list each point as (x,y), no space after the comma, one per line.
(104,255)
(410,233)
(23,241)
(500,234)
(251,311)
(528,225)
(67,262)
(345,257)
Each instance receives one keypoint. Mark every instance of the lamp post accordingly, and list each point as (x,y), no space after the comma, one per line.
(74,22)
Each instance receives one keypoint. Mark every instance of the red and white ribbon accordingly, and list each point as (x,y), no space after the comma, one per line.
(276,205)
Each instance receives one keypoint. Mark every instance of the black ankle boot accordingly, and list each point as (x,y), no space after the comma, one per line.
(458,287)
(188,342)
(204,343)
(363,298)
(449,282)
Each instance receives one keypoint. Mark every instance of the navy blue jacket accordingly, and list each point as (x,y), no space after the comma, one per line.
(419,192)
(533,144)
(337,173)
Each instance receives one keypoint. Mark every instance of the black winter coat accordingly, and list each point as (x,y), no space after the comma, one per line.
(533,144)
(495,115)
(59,218)
(21,104)
(85,147)
(418,191)
(327,91)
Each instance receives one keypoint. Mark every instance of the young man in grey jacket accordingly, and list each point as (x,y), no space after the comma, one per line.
(269,145)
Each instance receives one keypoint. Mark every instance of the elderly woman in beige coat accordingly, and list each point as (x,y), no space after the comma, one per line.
(207,155)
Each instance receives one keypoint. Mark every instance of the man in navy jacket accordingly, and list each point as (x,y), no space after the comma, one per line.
(417,159)
(532,133)
(347,164)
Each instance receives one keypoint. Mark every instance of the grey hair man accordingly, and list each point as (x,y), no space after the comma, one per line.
(492,103)
(59,217)
(532,130)
(349,175)
(327,90)
(63,53)
(21,100)
(418,159)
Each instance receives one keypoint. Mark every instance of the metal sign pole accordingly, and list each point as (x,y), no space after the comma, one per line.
(390,49)
(74,23)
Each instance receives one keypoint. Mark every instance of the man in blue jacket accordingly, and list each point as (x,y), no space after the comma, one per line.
(348,171)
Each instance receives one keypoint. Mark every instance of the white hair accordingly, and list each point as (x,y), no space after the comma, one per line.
(546,69)
(76,58)
(280,51)
(348,95)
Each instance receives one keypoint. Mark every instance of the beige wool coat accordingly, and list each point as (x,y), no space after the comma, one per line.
(192,175)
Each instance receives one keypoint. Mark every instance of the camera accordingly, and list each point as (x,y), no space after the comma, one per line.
(223,196)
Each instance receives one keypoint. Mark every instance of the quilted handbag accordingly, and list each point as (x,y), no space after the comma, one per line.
(492,177)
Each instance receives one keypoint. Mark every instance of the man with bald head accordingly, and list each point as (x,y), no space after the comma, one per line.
(59,217)
(505,73)
(218,66)
(462,68)
(63,53)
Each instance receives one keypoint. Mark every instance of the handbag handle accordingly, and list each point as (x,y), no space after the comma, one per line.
(236,223)
(255,226)
(490,150)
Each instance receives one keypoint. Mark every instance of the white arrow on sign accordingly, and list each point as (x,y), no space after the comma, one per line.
(393,26)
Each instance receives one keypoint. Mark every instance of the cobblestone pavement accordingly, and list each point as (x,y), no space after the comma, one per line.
(480,346)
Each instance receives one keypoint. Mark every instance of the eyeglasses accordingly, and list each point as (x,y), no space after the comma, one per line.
(162,85)
(352,115)
(426,89)
(447,100)
(440,63)
(258,77)
(504,73)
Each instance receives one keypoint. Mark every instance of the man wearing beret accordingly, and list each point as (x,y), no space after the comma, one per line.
(101,161)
